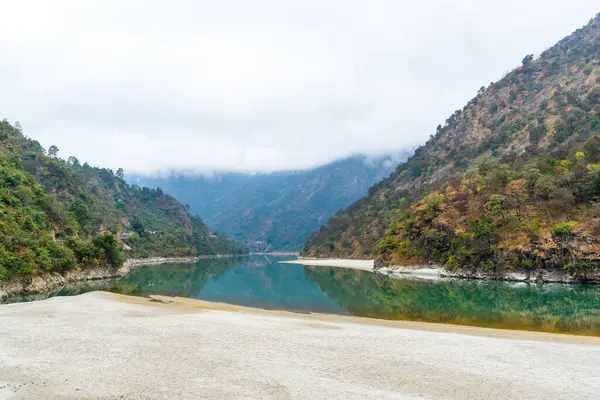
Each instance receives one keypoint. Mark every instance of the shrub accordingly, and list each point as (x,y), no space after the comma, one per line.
(532,227)
(434,244)
(388,245)
(563,229)
(581,267)
(109,244)
(433,205)
(497,204)
(63,258)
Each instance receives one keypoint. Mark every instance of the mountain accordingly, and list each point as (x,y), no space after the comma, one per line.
(57,215)
(275,211)
(511,182)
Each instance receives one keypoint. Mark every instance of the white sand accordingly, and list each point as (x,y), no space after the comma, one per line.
(106,345)
(366,265)
(407,272)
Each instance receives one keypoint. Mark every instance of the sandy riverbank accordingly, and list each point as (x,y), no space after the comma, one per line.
(366,265)
(419,272)
(106,345)
(434,273)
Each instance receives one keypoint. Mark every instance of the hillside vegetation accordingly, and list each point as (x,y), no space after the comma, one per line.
(56,215)
(509,182)
(275,211)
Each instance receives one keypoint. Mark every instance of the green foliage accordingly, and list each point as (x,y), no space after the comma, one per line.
(461,250)
(579,268)
(433,244)
(530,164)
(433,205)
(532,227)
(110,249)
(485,235)
(388,245)
(497,204)
(563,229)
(57,215)
(560,130)
(138,226)
(528,59)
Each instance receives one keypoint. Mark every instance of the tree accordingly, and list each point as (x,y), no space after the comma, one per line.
(592,149)
(53,151)
(111,249)
(73,161)
(120,174)
(138,226)
(81,212)
(528,58)
(497,204)
(531,175)
(560,130)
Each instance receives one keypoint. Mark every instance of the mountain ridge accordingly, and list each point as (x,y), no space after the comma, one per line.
(479,172)
(275,211)
(58,215)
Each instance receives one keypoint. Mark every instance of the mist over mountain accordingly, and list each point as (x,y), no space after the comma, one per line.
(275,211)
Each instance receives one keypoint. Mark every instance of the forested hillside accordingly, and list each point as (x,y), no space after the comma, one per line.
(276,211)
(56,215)
(509,182)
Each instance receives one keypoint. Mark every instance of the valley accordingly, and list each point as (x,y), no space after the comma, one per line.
(275,211)
(276,233)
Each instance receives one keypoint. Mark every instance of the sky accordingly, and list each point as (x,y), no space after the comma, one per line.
(256,85)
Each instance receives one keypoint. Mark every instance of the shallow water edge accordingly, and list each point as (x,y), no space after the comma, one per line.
(54,281)
(434,272)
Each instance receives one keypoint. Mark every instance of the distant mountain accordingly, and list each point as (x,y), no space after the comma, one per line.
(510,182)
(275,211)
(56,215)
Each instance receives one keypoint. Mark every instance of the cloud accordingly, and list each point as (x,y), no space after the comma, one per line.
(256,86)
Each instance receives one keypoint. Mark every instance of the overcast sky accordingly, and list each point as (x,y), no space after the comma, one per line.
(256,85)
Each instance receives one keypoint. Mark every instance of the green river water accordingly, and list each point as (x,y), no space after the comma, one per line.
(264,282)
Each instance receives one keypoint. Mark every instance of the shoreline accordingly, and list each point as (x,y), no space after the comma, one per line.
(53,281)
(275,253)
(189,305)
(436,272)
(363,265)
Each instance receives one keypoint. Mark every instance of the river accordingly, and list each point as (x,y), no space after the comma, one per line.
(264,282)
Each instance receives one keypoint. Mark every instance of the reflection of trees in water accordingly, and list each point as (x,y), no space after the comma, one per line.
(554,308)
(263,282)
(182,280)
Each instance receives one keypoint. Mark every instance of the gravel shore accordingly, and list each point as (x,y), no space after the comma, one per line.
(103,345)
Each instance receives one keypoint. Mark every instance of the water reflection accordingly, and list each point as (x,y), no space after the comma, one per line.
(264,282)
(550,307)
